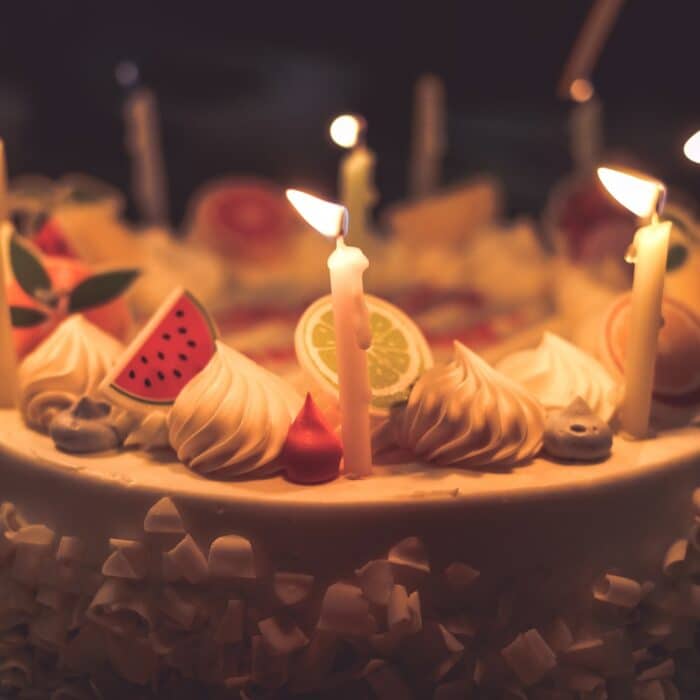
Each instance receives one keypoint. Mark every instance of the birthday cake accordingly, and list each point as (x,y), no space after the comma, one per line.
(179,517)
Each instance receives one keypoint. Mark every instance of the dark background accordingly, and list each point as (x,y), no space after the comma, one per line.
(249,87)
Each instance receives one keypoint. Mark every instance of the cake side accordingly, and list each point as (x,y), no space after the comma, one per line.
(484,557)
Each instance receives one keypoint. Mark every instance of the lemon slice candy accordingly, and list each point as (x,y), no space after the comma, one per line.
(398,355)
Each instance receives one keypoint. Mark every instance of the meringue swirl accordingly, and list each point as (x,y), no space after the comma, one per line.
(557,372)
(232,418)
(466,414)
(69,364)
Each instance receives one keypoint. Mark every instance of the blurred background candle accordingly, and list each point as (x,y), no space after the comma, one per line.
(576,83)
(644,197)
(356,175)
(428,137)
(8,358)
(352,331)
(586,126)
(144,146)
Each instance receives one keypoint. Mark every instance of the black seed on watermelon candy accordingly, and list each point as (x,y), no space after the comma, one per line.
(179,313)
(132,374)
(144,359)
(177,373)
(166,336)
(161,376)
(147,382)
(182,330)
(161,356)
(192,344)
(183,357)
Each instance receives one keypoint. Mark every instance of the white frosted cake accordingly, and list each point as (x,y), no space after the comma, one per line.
(177,520)
(481,571)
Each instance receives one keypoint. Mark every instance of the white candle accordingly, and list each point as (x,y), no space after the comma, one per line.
(356,175)
(645,197)
(651,251)
(352,339)
(352,331)
(428,139)
(8,357)
(147,168)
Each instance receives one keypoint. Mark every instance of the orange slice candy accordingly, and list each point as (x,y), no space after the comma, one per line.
(677,372)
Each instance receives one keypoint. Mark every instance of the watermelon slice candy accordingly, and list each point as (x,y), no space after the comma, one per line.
(173,347)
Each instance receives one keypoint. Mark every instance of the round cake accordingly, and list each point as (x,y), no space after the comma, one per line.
(129,574)
(178,521)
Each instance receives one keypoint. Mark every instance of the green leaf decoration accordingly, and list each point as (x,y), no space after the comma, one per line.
(24,317)
(100,289)
(27,268)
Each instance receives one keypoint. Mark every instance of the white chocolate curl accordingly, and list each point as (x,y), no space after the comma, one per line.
(410,552)
(674,561)
(467,414)
(185,561)
(530,657)
(376,580)
(281,638)
(345,611)
(618,590)
(232,418)
(69,364)
(163,518)
(231,556)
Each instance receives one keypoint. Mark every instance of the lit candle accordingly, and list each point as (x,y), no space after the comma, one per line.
(356,175)
(147,168)
(352,331)
(644,197)
(428,139)
(8,358)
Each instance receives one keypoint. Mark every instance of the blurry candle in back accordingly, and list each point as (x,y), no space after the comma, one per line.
(356,175)
(428,136)
(143,142)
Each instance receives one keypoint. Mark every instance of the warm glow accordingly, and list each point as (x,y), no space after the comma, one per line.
(640,194)
(345,130)
(327,218)
(581,90)
(692,148)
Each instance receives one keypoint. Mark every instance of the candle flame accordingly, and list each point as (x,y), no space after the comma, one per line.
(327,218)
(581,90)
(346,130)
(126,73)
(641,194)
(692,148)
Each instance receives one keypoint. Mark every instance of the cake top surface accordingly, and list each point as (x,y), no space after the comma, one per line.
(389,486)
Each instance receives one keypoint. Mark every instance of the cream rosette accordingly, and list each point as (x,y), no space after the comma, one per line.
(232,418)
(69,364)
(557,372)
(466,414)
